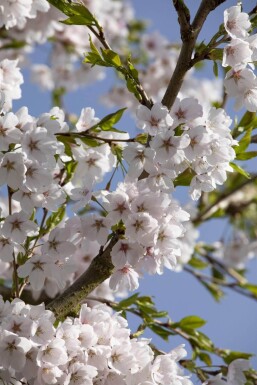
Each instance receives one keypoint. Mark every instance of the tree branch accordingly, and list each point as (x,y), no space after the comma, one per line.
(183,18)
(99,270)
(184,60)
(209,210)
(254,139)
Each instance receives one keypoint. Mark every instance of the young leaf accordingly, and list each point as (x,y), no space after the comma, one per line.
(111,57)
(54,219)
(246,155)
(125,303)
(108,121)
(214,290)
(191,322)
(160,331)
(197,263)
(244,142)
(215,69)
(240,170)
(229,356)
(184,179)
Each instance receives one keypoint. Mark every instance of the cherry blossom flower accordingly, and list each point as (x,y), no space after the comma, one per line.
(138,157)
(12,170)
(235,374)
(37,269)
(155,120)
(8,131)
(124,278)
(185,110)
(238,52)
(18,226)
(236,23)
(87,119)
(13,350)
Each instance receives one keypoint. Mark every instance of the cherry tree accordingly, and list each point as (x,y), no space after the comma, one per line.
(88,209)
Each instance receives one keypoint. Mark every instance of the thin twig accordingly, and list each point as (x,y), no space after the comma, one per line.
(89,136)
(207,212)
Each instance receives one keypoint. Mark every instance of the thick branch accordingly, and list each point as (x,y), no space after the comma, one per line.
(99,270)
(184,60)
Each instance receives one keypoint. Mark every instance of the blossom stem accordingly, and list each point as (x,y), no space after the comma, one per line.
(15,279)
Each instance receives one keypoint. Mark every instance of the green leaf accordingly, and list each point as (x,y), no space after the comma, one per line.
(215,69)
(94,57)
(229,356)
(216,54)
(197,263)
(251,288)
(249,120)
(131,69)
(78,13)
(244,142)
(204,342)
(141,138)
(67,141)
(54,219)
(111,57)
(246,155)
(140,331)
(70,169)
(132,87)
(204,357)
(14,44)
(240,170)
(145,300)
(191,322)
(125,303)
(184,179)
(107,123)
(90,142)
(76,20)
(160,331)
(214,290)
(217,274)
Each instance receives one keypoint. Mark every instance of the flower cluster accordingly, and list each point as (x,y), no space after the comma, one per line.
(240,54)
(153,225)
(189,139)
(16,13)
(237,252)
(65,69)
(10,82)
(94,348)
